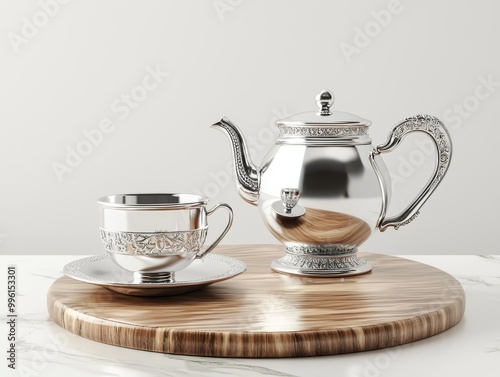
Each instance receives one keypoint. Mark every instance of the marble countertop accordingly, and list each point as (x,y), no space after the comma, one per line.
(44,349)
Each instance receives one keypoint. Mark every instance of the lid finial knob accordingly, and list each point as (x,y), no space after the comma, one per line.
(325,100)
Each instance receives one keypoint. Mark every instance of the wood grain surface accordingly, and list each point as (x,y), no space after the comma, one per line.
(262,313)
(318,226)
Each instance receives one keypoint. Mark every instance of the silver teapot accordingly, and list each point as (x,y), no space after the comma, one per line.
(323,188)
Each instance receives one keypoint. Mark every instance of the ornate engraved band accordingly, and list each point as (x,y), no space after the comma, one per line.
(403,223)
(315,131)
(319,250)
(435,129)
(322,263)
(236,142)
(153,243)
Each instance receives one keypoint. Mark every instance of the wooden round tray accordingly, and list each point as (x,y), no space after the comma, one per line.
(262,313)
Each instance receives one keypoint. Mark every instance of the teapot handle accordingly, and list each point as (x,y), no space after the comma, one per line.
(439,134)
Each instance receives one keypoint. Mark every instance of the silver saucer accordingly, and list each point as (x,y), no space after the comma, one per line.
(293,213)
(101,270)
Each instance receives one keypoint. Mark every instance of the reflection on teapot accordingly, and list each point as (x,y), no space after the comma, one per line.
(323,188)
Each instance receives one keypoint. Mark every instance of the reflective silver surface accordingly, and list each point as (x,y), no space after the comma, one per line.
(321,266)
(323,117)
(156,235)
(153,243)
(152,212)
(288,206)
(290,198)
(432,127)
(343,182)
(247,173)
(100,270)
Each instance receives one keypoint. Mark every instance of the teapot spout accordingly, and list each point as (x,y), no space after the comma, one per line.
(248,180)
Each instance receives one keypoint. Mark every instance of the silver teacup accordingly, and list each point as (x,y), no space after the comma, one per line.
(155,235)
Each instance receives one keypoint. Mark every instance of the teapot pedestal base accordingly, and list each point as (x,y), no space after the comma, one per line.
(322,265)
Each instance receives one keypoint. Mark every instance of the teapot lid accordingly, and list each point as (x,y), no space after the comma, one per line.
(324,126)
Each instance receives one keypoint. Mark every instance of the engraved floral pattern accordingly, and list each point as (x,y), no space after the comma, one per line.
(155,243)
(322,263)
(403,223)
(251,184)
(435,129)
(330,131)
(322,249)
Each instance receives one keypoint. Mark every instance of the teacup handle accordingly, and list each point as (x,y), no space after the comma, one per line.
(439,134)
(201,254)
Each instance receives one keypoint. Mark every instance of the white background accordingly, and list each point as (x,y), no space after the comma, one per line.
(253,61)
